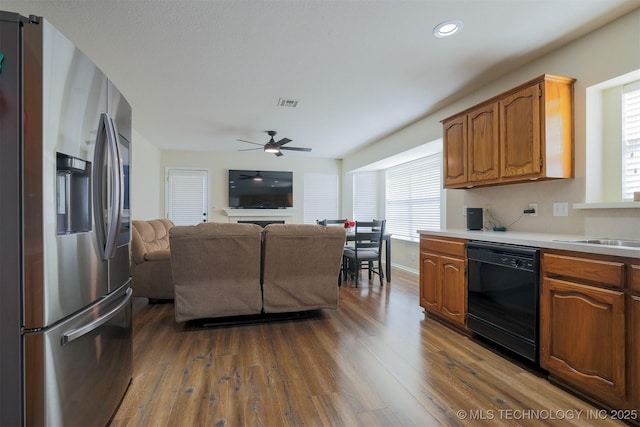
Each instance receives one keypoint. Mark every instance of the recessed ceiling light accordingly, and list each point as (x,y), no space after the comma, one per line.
(447,28)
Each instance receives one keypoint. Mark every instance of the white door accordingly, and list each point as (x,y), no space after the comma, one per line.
(186,196)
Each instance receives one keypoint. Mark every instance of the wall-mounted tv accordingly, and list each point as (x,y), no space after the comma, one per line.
(250,189)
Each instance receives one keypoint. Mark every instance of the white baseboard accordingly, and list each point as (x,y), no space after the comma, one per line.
(405,268)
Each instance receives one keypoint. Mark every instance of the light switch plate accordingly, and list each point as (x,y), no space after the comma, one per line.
(561,209)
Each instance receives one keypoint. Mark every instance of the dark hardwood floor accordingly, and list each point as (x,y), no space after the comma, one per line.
(376,361)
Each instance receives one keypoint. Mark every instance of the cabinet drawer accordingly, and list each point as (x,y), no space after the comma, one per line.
(608,273)
(454,247)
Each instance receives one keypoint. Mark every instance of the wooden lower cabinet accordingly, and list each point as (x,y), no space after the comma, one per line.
(590,326)
(634,336)
(583,338)
(634,353)
(443,284)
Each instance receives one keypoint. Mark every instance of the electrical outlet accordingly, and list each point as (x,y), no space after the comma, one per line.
(533,206)
(561,209)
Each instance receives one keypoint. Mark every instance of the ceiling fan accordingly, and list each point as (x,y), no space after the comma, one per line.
(256,177)
(272,146)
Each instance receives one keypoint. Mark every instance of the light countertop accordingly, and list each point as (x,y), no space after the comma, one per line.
(539,240)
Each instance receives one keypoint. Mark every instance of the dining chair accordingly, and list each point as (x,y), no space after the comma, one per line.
(366,251)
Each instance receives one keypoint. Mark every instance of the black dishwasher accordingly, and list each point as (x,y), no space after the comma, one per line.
(503,296)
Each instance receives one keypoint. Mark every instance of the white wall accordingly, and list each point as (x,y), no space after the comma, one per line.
(611,51)
(146,179)
(608,52)
(218,165)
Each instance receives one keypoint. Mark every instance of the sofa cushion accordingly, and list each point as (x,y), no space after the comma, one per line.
(161,255)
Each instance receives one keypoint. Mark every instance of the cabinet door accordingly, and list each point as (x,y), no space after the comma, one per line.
(454,292)
(634,340)
(583,338)
(455,151)
(634,354)
(483,146)
(520,128)
(429,281)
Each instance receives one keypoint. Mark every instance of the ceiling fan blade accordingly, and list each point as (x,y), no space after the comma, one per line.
(278,154)
(295,148)
(283,141)
(254,143)
(250,149)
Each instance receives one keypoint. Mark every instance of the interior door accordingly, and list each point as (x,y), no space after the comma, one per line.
(187,196)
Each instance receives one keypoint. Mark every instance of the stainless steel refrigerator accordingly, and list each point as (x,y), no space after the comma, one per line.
(65,299)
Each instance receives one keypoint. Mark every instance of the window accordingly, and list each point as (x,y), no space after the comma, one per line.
(365,196)
(613,141)
(320,197)
(630,140)
(413,192)
(187,196)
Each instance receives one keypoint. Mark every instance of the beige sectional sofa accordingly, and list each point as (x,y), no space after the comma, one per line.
(224,269)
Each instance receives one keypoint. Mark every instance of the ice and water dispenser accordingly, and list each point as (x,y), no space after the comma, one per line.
(73,194)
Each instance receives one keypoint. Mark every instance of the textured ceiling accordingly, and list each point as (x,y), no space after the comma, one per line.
(201,74)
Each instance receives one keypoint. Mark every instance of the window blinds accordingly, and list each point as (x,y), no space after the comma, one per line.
(413,197)
(631,139)
(365,196)
(320,197)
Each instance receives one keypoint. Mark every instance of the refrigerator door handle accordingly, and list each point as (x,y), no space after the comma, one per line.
(117,194)
(74,334)
(107,221)
(98,186)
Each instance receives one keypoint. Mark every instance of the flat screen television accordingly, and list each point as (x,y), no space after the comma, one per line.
(260,189)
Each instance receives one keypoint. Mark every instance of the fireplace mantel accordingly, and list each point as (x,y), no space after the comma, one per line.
(232,213)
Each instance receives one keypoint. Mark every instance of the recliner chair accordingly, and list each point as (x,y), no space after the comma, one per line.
(151,259)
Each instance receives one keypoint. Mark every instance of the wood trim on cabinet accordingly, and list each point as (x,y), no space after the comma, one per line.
(634,278)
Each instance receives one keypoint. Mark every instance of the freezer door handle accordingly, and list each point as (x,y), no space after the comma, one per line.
(74,334)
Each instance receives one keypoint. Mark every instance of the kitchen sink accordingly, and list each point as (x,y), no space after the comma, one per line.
(607,242)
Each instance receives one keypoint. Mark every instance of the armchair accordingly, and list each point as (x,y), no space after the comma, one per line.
(150,259)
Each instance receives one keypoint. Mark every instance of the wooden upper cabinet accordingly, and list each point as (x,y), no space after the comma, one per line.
(523,134)
(483,156)
(455,153)
(520,133)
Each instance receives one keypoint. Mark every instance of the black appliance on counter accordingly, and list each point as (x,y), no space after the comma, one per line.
(474,219)
(503,296)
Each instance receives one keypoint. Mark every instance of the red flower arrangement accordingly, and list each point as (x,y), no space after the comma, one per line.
(348,224)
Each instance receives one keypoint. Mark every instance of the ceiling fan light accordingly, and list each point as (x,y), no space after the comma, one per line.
(269,148)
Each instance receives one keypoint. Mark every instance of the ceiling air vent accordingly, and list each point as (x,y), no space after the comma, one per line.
(282,102)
